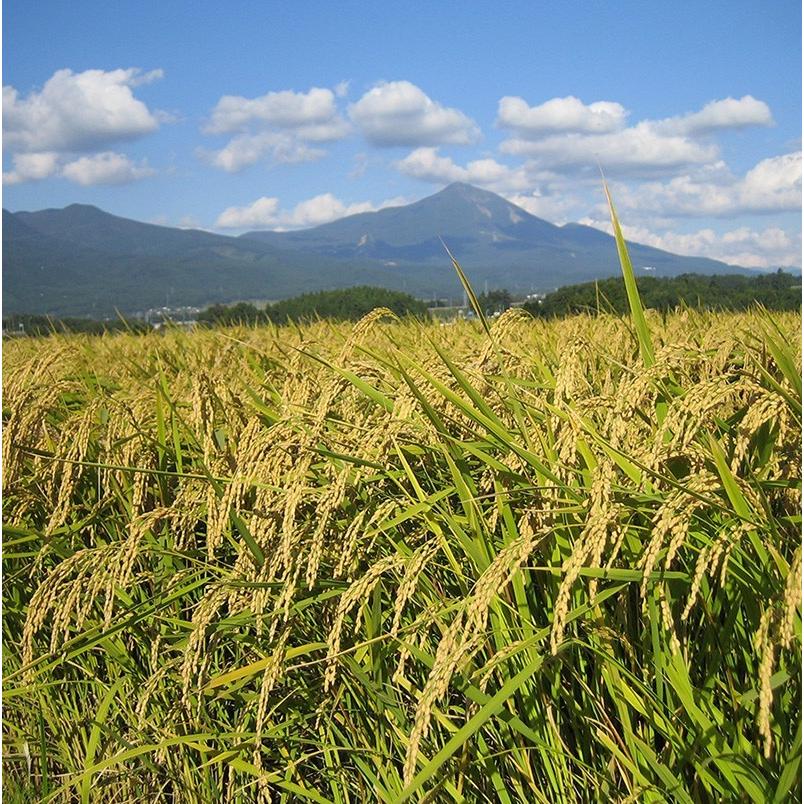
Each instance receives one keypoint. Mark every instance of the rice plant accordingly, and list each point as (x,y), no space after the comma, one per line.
(511,561)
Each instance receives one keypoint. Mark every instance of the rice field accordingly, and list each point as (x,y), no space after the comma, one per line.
(395,561)
(401,561)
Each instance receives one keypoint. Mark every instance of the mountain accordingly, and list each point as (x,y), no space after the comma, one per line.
(474,223)
(508,246)
(82,261)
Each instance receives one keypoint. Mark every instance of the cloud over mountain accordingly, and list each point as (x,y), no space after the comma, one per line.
(31,167)
(277,125)
(75,113)
(763,249)
(559,115)
(400,113)
(78,111)
(665,170)
(427,164)
(772,185)
(566,135)
(313,113)
(265,213)
(105,168)
(639,151)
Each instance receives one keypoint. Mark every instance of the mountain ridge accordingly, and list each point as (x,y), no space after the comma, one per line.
(81,260)
(481,229)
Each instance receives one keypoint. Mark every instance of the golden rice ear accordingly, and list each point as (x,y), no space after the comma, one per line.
(331,559)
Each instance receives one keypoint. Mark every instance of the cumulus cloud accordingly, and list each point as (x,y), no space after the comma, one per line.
(74,114)
(262,213)
(718,115)
(78,112)
(105,168)
(265,213)
(639,150)
(538,192)
(428,165)
(32,167)
(767,248)
(321,209)
(400,113)
(566,135)
(559,115)
(772,185)
(312,115)
(248,149)
(278,126)
(556,207)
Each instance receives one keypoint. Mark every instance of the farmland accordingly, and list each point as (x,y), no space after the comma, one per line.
(551,561)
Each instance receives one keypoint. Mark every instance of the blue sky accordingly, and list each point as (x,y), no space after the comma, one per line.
(285,115)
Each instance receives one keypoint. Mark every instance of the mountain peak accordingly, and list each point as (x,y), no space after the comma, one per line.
(463,190)
(459,186)
(85,208)
(74,211)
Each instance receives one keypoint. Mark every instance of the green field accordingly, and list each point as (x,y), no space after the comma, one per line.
(552,561)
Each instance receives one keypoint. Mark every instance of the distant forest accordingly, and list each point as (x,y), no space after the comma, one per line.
(348,304)
(777,291)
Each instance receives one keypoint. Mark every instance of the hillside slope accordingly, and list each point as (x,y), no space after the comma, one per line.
(81,260)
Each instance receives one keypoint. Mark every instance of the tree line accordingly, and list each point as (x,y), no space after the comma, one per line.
(776,291)
(348,304)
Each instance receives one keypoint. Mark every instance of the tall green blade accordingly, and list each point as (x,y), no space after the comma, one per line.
(634,302)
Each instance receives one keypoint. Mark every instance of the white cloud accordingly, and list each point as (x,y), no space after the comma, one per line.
(559,115)
(105,168)
(554,207)
(265,213)
(565,135)
(32,167)
(639,150)
(341,89)
(277,125)
(541,193)
(719,114)
(322,209)
(428,165)
(773,185)
(399,113)
(302,112)
(248,149)
(767,248)
(78,112)
(262,213)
